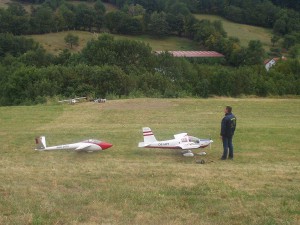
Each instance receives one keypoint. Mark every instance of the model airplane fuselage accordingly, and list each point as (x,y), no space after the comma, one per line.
(181,141)
(89,145)
(72,100)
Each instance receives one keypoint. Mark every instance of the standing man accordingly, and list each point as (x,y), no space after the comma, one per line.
(228,125)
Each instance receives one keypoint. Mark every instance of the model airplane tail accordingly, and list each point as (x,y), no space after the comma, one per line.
(40,143)
(148,137)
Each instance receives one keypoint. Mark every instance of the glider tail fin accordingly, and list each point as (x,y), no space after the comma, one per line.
(40,143)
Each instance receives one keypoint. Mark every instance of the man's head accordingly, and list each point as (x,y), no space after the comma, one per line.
(228,109)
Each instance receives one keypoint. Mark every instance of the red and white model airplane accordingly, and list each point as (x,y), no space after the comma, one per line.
(181,141)
(89,145)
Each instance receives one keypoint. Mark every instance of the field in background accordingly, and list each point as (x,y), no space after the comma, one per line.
(54,42)
(244,32)
(128,185)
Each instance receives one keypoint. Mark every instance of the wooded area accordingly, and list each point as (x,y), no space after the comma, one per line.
(30,75)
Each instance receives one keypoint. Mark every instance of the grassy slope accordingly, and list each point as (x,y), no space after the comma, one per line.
(54,42)
(127,185)
(244,32)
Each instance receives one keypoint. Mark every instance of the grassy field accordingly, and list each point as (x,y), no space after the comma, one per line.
(128,185)
(244,32)
(54,42)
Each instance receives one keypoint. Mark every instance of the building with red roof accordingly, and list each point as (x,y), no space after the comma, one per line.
(193,54)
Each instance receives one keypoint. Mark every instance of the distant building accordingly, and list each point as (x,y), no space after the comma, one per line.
(193,54)
(271,62)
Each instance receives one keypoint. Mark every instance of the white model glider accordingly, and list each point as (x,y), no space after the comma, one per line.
(89,145)
(72,100)
(181,141)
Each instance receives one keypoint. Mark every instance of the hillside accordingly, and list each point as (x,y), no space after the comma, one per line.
(128,185)
(244,32)
(54,42)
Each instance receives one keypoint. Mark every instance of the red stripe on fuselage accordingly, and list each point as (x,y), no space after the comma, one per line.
(148,135)
(175,147)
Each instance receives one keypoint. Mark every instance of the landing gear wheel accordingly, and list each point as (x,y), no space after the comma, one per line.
(201,161)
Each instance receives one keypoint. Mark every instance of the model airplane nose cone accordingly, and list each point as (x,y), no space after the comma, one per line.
(105,145)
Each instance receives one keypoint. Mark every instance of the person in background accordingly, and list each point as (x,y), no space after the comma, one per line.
(228,126)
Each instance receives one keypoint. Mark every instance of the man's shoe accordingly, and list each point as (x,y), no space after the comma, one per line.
(222,158)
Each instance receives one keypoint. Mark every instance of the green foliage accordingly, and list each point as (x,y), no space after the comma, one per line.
(158,25)
(106,50)
(71,40)
(121,68)
(120,22)
(14,45)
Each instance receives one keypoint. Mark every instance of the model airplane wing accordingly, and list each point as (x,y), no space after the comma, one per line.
(79,98)
(180,136)
(67,100)
(83,146)
(186,146)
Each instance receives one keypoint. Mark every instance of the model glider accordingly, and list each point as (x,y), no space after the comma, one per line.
(89,145)
(72,100)
(181,141)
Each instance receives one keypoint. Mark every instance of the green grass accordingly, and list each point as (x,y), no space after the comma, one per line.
(54,42)
(244,32)
(128,185)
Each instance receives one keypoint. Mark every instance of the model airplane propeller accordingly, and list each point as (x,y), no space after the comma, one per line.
(89,145)
(72,101)
(181,141)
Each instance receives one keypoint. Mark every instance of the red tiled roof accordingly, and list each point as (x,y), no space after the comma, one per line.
(193,53)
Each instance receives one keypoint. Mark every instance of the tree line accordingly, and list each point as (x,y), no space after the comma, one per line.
(132,19)
(160,18)
(108,67)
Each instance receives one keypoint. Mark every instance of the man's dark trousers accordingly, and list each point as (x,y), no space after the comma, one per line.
(227,144)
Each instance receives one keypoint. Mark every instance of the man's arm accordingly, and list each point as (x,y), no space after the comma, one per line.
(223,127)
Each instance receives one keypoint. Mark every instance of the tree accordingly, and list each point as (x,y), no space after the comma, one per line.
(19,23)
(85,17)
(135,10)
(290,40)
(176,23)
(178,8)
(68,16)
(294,51)
(72,40)
(99,7)
(255,53)
(158,25)
(42,20)
(274,39)
(280,26)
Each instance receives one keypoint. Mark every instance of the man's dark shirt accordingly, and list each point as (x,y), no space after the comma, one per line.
(228,125)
